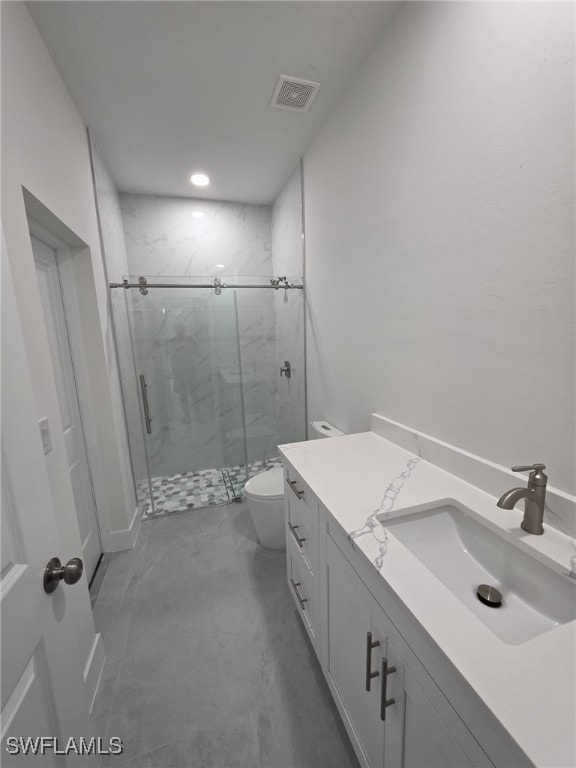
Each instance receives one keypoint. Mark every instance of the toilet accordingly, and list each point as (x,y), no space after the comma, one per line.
(265,497)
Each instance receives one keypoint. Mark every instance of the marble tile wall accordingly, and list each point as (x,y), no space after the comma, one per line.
(291,393)
(288,259)
(165,237)
(186,347)
(260,375)
(187,237)
(230,405)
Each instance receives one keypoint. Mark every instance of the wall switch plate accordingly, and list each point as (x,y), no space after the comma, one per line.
(45,435)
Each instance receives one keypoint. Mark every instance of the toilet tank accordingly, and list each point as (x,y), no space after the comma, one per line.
(324,429)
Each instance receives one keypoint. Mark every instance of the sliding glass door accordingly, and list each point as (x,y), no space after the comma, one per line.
(218,382)
(187,361)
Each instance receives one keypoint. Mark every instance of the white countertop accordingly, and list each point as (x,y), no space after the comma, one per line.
(530,688)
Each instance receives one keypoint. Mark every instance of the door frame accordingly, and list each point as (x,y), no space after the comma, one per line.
(69,297)
(71,290)
(77,281)
(105,427)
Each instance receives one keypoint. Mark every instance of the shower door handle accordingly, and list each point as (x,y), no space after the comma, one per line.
(147,419)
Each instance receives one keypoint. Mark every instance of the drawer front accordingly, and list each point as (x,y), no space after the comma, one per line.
(301,531)
(302,585)
(300,495)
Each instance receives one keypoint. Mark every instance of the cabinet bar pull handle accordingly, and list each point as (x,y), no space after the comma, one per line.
(301,600)
(384,702)
(292,484)
(298,539)
(369,645)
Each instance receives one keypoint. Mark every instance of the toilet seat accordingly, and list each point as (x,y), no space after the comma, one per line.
(268,485)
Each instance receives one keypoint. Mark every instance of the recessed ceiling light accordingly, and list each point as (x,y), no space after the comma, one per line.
(197,215)
(219,266)
(199,179)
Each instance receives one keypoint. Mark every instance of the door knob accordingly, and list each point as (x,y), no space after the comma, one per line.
(55,572)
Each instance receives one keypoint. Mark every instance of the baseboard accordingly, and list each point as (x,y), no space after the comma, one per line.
(93,668)
(493,478)
(126,538)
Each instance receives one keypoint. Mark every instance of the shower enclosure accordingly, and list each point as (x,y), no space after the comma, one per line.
(218,373)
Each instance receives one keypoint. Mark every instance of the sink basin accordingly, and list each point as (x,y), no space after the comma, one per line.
(463,553)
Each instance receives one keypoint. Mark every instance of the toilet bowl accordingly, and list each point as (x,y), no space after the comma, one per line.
(265,497)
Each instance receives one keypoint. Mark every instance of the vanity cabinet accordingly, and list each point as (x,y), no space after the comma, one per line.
(393,711)
(396,714)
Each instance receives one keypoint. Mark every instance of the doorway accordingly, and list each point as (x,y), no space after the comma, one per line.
(57,318)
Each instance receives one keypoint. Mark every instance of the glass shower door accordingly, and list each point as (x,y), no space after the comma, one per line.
(186,351)
(271,333)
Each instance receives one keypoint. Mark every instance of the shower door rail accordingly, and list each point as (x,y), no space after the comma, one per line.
(143,285)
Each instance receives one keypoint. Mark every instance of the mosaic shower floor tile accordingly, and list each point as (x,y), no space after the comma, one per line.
(204,488)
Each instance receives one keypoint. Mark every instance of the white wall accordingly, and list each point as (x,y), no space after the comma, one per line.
(45,151)
(440,235)
(287,226)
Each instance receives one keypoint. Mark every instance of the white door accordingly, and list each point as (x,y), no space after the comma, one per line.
(42,691)
(68,401)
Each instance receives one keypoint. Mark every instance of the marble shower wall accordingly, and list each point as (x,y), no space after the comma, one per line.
(114,251)
(288,259)
(168,237)
(187,348)
(260,374)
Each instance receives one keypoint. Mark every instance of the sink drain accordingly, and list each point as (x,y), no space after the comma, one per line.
(489,595)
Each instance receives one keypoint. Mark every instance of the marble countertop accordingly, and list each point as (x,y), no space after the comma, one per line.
(530,688)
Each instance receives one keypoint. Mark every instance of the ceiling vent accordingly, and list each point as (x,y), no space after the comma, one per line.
(294,93)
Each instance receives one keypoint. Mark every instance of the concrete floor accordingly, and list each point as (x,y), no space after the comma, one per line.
(207,661)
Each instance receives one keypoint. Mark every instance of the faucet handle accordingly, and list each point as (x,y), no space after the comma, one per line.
(529,468)
(537,476)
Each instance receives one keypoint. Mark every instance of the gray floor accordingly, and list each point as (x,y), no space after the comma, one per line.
(207,661)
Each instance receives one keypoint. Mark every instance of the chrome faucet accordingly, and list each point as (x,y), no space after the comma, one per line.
(534,495)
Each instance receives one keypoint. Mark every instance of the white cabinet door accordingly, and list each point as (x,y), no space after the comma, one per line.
(43,692)
(404,720)
(416,735)
(352,657)
(427,741)
(392,704)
